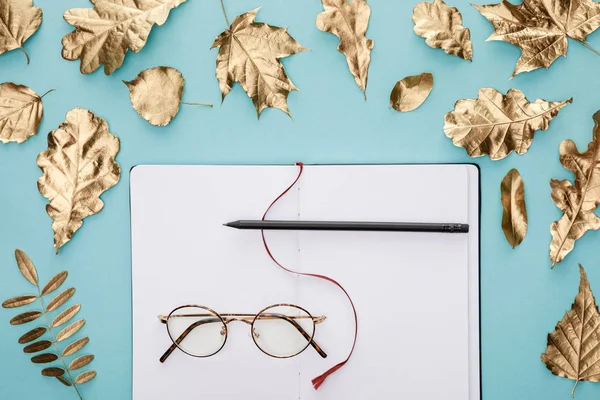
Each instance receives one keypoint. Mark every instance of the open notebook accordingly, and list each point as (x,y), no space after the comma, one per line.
(416,294)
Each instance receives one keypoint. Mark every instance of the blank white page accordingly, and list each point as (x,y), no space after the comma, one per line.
(416,294)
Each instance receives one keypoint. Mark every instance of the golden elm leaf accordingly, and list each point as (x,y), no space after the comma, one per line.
(81,362)
(44,358)
(19,301)
(105,33)
(64,381)
(21,112)
(514,217)
(32,335)
(250,53)
(66,315)
(19,19)
(78,166)
(85,377)
(25,317)
(55,282)
(53,371)
(409,93)
(75,346)
(26,266)
(577,201)
(573,348)
(37,346)
(349,21)
(540,28)
(441,26)
(60,299)
(496,124)
(70,330)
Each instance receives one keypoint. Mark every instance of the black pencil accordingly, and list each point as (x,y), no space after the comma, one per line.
(349,226)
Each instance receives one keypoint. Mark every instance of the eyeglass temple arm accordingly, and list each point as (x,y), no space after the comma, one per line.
(292,321)
(184,334)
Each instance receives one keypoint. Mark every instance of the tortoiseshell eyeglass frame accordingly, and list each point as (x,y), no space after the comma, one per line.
(249,319)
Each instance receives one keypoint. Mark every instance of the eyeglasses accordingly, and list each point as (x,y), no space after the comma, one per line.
(280,330)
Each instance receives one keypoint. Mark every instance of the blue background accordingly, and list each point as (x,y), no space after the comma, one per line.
(522,299)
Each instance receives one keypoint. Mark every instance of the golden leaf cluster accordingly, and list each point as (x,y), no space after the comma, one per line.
(514,217)
(409,93)
(19,19)
(59,328)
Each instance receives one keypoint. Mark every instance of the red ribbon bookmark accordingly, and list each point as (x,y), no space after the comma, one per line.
(318,381)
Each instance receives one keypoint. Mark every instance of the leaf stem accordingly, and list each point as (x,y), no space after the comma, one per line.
(224,14)
(26,55)
(585,44)
(49,91)
(574,387)
(196,104)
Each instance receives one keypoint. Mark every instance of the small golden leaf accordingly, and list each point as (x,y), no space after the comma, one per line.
(44,358)
(250,53)
(514,217)
(78,166)
(60,299)
(579,201)
(75,346)
(349,21)
(441,26)
(53,371)
(20,19)
(156,94)
(26,266)
(19,301)
(70,330)
(37,346)
(81,362)
(64,381)
(55,283)
(496,124)
(573,347)
(409,93)
(21,111)
(85,377)
(25,317)
(32,335)
(66,315)
(105,33)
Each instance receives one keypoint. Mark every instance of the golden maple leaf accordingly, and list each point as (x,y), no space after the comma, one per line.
(105,33)
(78,166)
(496,124)
(19,19)
(578,202)
(573,349)
(20,112)
(514,216)
(349,21)
(540,27)
(249,54)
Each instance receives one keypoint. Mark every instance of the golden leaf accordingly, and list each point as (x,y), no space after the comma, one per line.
(32,335)
(349,21)
(579,201)
(44,358)
(26,266)
(441,26)
(75,346)
(409,93)
(21,112)
(249,53)
(105,33)
(514,217)
(64,381)
(25,317)
(574,346)
(60,299)
(540,27)
(19,19)
(495,124)
(37,346)
(78,166)
(53,371)
(19,301)
(70,330)
(55,282)
(66,315)
(81,362)
(85,377)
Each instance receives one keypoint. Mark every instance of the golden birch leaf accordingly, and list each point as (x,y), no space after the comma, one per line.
(19,19)
(579,201)
(81,362)
(55,282)
(66,315)
(60,299)
(441,26)
(53,371)
(78,166)
(25,317)
(250,53)
(105,33)
(19,301)
(64,381)
(349,21)
(85,377)
(75,346)
(409,93)
(21,112)
(573,348)
(37,346)
(44,358)
(496,124)
(26,266)
(514,217)
(70,330)
(540,27)
(32,335)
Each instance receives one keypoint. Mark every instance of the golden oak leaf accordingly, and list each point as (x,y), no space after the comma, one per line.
(78,166)
(514,217)
(249,53)
(19,19)
(496,124)
(105,33)
(573,349)
(349,21)
(409,93)
(441,26)
(540,27)
(579,201)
